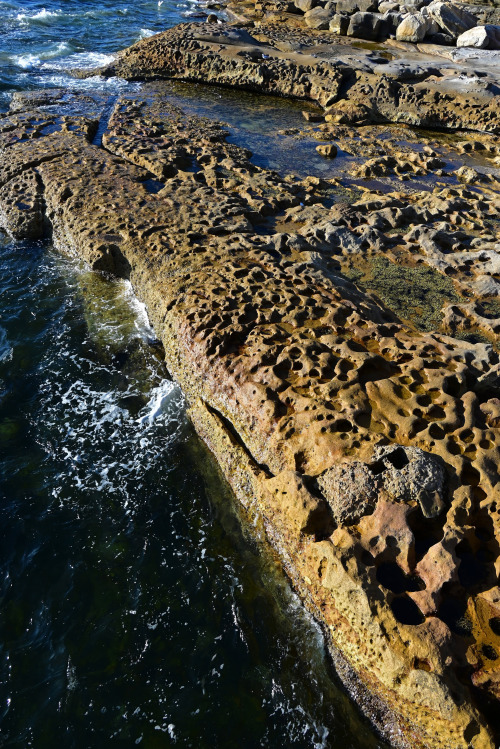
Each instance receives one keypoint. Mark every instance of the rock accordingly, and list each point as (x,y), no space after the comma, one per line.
(413,28)
(227,56)
(440,38)
(339,24)
(212,18)
(452,19)
(351,491)
(322,407)
(313,116)
(329,150)
(388,6)
(318,18)
(413,5)
(409,474)
(349,113)
(467,174)
(483,37)
(354,6)
(365,26)
(392,21)
(306,5)
(404,474)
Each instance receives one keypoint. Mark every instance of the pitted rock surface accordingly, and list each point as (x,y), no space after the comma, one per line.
(304,384)
(317,66)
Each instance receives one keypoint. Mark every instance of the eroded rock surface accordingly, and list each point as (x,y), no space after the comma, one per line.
(318,67)
(365,437)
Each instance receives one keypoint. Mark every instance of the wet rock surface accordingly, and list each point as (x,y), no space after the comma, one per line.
(337,342)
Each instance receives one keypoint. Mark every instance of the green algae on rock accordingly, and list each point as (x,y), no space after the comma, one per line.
(413,294)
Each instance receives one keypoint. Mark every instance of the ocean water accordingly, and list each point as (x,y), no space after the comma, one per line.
(136,606)
(40,40)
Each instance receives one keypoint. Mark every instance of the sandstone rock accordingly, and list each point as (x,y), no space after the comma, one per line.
(365,26)
(318,18)
(329,150)
(391,22)
(306,5)
(453,19)
(440,38)
(483,37)
(339,24)
(402,474)
(354,6)
(224,55)
(388,6)
(347,112)
(467,174)
(312,116)
(413,28)
(413,5)
(387,536)
(298,381)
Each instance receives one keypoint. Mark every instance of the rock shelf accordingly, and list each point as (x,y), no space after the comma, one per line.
(336,339)
(394,83)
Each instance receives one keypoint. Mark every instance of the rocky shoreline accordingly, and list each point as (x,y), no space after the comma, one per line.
(393,83)
(336,339)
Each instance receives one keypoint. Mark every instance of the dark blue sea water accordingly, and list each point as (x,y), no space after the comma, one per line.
(136,607)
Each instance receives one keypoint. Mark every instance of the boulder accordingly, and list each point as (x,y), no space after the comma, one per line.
(452,19)
(391,22)
(388,6)
(319,18)
(444,40)
(483,37)
(412,5)
(355,6)
(413,28)
(339,24)
(365,26)
(305,5)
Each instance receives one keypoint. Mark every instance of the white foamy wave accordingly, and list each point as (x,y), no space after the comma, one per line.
(145,33)
(81,60)
(134,445)
(29,61)
(141,319)
(26,61)
(57,51)
(166,398)
(113,85)
(43,15)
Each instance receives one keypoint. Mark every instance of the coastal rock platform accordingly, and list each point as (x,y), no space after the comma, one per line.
(393,82)
(337,343)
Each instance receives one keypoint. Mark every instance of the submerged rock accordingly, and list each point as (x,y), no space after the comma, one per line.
(329,150)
